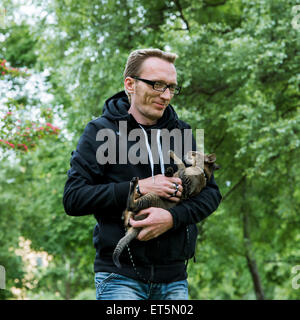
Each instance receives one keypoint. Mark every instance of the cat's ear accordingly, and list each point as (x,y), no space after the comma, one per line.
(210,158)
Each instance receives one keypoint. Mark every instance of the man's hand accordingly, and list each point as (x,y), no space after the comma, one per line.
(162,186)
(157,222)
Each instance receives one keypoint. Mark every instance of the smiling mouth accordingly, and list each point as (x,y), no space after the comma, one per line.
(160,105)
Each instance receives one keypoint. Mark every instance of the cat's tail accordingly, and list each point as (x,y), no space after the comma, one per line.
(130,235)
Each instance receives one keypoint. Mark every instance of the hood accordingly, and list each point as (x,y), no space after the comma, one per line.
(116,109)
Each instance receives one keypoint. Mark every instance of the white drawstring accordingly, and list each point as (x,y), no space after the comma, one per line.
(161,158)
(162,168)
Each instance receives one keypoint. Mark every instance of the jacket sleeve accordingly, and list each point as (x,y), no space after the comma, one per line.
(200,206)
(85,190)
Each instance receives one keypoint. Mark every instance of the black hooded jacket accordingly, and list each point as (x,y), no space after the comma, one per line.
(102,190)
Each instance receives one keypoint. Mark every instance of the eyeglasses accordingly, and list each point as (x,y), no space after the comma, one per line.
(161,86)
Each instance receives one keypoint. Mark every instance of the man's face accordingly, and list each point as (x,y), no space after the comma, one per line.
(148,105)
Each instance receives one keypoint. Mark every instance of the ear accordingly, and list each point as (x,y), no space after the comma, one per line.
(129,84)
(210,158)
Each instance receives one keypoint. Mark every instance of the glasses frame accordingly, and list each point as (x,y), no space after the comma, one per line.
(152,83)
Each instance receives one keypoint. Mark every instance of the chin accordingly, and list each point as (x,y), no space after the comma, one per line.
(154,116)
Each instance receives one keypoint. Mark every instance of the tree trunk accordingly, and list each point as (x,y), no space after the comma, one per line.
(251,262)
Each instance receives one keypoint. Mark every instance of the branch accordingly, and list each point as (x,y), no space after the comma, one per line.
(234,187)
(213,91)
(251,261)
(244,176)
(214,4)
(219,142)
(293,108)
(180,29)
(177,3)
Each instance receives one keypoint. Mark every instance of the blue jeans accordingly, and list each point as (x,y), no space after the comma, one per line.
(112,286)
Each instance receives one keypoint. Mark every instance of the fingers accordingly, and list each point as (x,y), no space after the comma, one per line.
(162,186)
(157,222)
(139,223)
(174,192)
(175,180)
(147,234)
(175,187)
(144,234)
(160,182)
(163,180)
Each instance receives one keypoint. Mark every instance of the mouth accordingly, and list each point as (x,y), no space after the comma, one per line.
(162,106)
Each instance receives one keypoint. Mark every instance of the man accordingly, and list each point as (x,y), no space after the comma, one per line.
(154,266)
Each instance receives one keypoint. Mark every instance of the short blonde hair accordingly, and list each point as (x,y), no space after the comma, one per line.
(137,57)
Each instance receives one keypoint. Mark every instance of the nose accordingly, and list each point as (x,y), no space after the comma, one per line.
(166,94)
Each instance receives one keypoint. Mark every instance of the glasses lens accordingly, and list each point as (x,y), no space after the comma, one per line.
(159,86)
(173,89)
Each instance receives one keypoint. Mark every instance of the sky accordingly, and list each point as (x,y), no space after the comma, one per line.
(35,86)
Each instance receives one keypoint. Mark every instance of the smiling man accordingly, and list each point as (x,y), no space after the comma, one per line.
(147,105)
(154,266)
